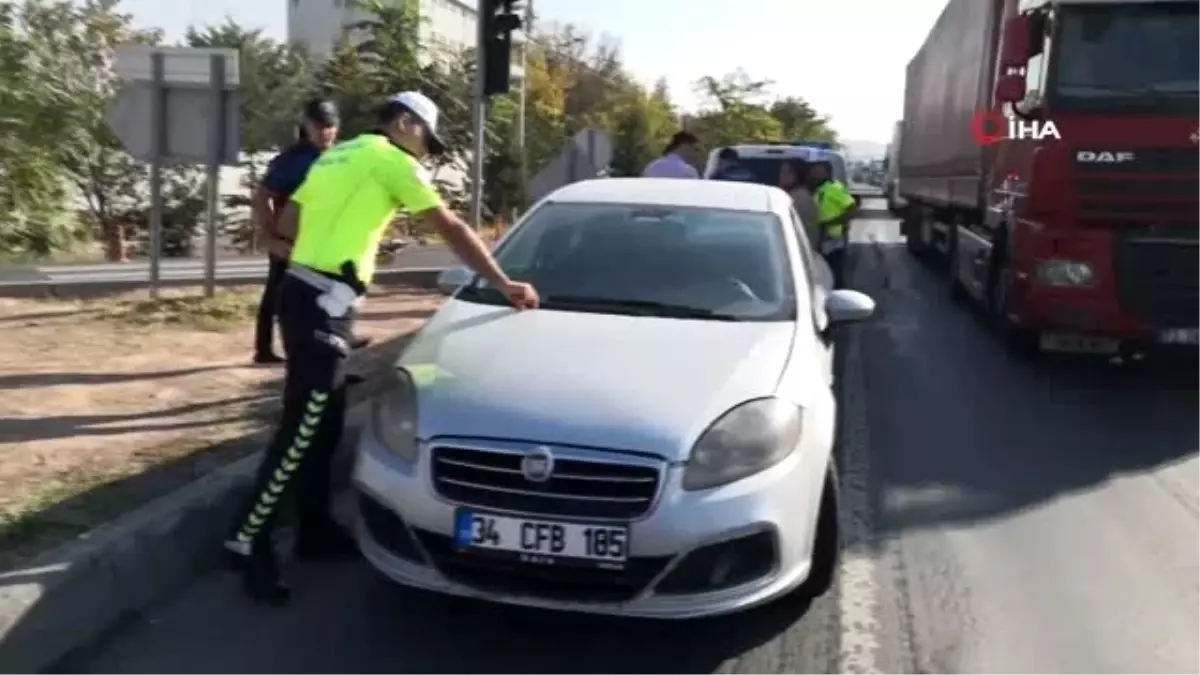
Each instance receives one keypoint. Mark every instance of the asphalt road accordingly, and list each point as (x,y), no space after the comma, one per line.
(191,269)
(1001,516)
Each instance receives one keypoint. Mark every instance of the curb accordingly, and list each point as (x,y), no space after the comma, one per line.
(71,597)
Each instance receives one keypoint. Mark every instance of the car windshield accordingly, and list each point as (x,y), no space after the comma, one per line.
(688,263)
(1095,69)
(766,169)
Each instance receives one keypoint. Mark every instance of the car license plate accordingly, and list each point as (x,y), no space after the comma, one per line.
(542,541)
(1180,336)
(1080,344)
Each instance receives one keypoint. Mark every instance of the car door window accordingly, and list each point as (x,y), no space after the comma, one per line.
(818,286)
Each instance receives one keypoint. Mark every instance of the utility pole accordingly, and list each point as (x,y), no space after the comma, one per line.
(522,153)
(479,111)
(497,21)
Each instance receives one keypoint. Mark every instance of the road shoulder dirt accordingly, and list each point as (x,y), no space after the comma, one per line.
(107,404)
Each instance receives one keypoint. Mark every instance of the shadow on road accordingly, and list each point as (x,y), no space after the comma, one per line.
(25,380)
(962,429)
(451,635)
(38,316)
(69,426)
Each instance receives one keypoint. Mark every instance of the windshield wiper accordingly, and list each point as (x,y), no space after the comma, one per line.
(637,307)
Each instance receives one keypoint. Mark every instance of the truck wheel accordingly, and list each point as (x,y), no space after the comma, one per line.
(910,226)
(957,292)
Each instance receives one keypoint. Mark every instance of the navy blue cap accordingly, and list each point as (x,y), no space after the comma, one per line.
(322,112)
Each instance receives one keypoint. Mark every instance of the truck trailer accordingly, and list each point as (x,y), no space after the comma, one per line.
(891,168)
(1050,160)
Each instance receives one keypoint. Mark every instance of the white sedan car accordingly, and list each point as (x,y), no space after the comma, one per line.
(655,441)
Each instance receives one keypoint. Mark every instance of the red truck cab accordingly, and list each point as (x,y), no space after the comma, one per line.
(1086,239)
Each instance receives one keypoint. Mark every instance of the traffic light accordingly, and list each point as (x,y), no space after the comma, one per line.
(500,18)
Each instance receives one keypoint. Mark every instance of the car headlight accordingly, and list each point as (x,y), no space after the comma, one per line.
(1065,273)
(394,415)
(749,438)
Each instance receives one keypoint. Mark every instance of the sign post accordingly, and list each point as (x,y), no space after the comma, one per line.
(179,106)
(217,134)
(158,145)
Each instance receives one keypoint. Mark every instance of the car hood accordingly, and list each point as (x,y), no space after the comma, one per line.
(573,378)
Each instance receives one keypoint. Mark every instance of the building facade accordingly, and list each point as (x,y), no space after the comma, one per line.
(319,25)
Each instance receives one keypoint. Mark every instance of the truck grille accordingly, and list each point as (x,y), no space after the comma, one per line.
(1155,161)
(1158,185)
(1157,278)
(593,488)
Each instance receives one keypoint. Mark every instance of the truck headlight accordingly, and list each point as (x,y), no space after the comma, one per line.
(1065,273)
(744,441)
(394,415)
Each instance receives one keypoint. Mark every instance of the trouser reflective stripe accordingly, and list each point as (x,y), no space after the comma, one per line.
(288,463)
(301,451)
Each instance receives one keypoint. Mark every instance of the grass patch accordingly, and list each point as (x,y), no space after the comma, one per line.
(225,311)
(25,529)
(83,498)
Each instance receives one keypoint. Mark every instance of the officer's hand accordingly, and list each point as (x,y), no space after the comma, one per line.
(521,294)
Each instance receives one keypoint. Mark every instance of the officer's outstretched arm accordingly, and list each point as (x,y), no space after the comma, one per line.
(466,244)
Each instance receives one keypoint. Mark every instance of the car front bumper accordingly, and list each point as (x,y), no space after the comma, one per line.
(404,528)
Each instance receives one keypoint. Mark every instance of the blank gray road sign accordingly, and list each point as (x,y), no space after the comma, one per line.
(187,118)
(188,100)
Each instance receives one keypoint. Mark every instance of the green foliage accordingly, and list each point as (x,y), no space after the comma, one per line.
(62,172)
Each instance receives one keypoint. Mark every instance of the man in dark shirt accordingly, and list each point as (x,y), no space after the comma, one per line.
(284,175)
(729,167)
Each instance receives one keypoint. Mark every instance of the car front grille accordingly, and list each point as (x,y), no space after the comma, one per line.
(1158,277)
(593,485)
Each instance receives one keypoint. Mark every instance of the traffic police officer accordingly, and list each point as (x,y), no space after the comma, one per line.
(285,173)
(340,213)
(835,207)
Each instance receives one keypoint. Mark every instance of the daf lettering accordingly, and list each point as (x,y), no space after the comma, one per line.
(1103,157)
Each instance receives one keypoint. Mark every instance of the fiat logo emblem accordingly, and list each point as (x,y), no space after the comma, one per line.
(538,465)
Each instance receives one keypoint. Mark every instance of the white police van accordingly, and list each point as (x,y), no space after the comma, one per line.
(766,160)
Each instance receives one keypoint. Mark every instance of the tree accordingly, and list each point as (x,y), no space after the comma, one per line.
(735,111)
(276,78)
(31,186)
(799,121)
(72,44)
(644,125)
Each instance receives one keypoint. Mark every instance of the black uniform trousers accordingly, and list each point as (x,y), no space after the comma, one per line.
(837,264)
(314,407)
(268,307)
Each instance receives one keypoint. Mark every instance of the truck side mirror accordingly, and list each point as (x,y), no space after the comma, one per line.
(1015,50)
(1010,89)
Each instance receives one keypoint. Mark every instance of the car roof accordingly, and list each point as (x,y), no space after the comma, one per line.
(807,152)
(739,196)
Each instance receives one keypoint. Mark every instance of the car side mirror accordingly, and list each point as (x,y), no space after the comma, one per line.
(846,306)
(450,280)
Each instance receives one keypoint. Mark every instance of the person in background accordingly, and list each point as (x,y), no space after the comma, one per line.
(729,167)
(792,180)
(285,173)
(678,160)
(835,208)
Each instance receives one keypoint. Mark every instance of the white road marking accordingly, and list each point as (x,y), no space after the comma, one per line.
(857,591)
